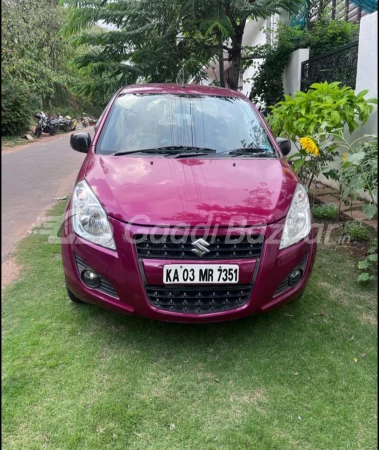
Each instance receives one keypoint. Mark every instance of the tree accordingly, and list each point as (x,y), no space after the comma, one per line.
(36,55)
(32,50)
(162,41)
(229,18)
(146,40)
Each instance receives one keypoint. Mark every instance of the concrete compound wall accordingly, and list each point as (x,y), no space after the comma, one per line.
(292,77)
(367,79)
(367,71)
(292,73)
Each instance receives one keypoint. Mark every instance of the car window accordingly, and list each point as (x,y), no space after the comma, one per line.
(145,121)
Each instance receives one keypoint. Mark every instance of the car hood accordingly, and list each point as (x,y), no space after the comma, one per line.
(192,191)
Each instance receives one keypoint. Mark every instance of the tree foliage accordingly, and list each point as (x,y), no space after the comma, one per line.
(32,50)
(151,40)
(267,86)
(147,43)
(36,68)
(326,34)
(16,108)
(162,41)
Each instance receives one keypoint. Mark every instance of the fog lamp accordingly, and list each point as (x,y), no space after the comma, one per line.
(295,277)
(91,279)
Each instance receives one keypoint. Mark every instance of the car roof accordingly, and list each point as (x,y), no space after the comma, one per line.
(171,88)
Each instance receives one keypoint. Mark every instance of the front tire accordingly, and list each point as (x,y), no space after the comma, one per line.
(73,297)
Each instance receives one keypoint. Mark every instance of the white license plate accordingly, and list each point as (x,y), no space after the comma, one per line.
(200,274)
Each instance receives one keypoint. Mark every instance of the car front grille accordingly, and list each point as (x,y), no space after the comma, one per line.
(223,247)
(199,299)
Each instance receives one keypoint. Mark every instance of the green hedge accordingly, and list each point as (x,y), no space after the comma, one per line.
(16,108)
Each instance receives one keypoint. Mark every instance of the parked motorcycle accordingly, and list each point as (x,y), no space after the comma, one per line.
(85,121)
(52,126)
(46,125)
(41,119)
(67,124)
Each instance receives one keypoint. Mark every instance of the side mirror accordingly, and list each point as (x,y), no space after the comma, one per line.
(284,144)
(81,142)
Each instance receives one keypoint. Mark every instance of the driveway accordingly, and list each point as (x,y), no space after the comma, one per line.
(32,177)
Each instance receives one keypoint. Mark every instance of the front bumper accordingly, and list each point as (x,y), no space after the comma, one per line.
(130,276)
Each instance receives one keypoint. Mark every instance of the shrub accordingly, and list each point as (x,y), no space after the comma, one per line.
(267,86)
(16,108)
(360,171)
(369,266)
(326,35)
(356,231)
(321,36)
(325,107)
(312,119)
(327,211)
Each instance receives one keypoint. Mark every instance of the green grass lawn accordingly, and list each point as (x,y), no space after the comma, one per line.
(78,377)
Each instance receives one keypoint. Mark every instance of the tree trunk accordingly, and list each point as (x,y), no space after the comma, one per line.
(235,55)
(221,63)
(235,69)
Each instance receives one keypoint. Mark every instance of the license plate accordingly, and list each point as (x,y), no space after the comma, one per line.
(200,274)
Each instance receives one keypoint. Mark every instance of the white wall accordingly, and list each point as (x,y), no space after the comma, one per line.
(367,71)
(292,72)
(255,34)
(292,78)
(367,78)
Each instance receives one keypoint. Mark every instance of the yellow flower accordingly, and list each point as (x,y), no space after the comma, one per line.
(344,156)
(309,146)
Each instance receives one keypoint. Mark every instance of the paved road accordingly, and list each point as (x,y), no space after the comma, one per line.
(31,178)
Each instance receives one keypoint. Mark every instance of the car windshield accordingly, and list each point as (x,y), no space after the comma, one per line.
(151,121)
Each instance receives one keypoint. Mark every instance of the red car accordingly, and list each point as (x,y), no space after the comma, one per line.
(185,209)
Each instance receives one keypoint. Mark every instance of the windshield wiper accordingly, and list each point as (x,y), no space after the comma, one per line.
(169,150)
(251,151)
(191,151)
(189,154)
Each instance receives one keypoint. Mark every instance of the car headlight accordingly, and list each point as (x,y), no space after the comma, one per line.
(298,220)
(89,219)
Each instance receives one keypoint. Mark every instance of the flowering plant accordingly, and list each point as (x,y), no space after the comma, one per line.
(312,157)
(309,119)
(359,170)
(309,146)
(359,175)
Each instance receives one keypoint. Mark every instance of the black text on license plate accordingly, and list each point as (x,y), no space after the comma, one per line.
(200,274)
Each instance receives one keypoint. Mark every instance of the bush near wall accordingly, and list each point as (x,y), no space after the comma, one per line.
(324,35)
(16,108)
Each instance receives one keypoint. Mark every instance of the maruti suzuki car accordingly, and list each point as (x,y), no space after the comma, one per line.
(185,209)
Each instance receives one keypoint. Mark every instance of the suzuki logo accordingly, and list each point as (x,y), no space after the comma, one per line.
(200,247)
